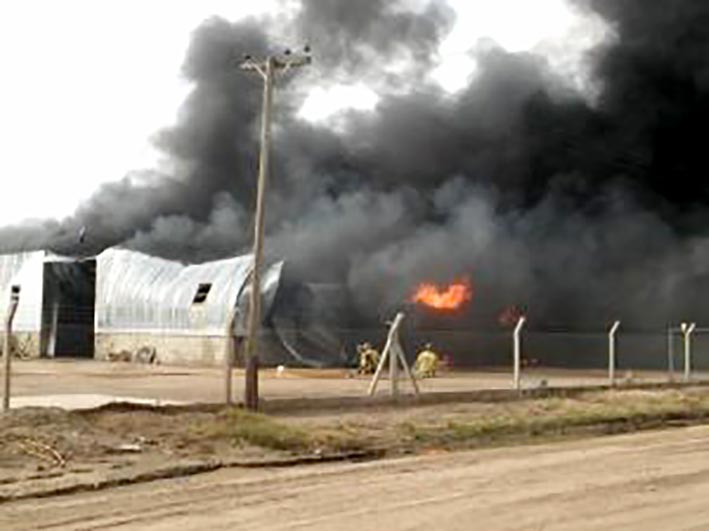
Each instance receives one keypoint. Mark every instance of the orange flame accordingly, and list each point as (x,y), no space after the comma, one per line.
(450,297)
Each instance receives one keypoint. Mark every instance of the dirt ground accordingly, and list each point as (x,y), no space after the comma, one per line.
(651,481)
(72,383)
(49,451)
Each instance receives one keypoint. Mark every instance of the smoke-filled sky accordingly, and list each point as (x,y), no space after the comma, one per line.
(86,85)
(559,163)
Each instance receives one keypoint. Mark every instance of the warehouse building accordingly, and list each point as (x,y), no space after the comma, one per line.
(124,302)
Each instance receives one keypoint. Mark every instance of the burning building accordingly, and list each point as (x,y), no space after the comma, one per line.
(128,305)
(571,193)
(122,302)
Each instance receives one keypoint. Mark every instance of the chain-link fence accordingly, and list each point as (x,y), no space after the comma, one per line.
(323,361)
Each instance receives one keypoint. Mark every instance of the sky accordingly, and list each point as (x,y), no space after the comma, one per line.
(86,84)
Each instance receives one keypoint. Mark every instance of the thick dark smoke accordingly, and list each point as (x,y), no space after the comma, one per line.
(580,208)
(358,40)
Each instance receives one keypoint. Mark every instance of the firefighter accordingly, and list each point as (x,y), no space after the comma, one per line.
(368,358)
(426,362)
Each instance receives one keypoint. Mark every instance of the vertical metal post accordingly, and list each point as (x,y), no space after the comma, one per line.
(688,350)
(670,354)
(12,308)
(251,384)
(53,329)
(402,358)
(229,355)
(611,353)
(392,338)
(393,367)
(518,352)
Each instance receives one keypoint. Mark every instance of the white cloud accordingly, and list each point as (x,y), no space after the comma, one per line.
(85,85)
(550,27)
(323,102)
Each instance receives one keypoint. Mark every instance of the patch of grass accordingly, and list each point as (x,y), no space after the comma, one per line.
(214,431)
(260,430)
(550,417)
(246,428)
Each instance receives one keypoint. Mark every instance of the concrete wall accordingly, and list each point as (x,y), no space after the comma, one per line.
(23,344)
(169,348)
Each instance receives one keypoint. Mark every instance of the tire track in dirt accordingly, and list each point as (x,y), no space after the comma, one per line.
(653,480)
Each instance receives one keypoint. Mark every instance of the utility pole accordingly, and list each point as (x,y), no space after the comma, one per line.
(267,69)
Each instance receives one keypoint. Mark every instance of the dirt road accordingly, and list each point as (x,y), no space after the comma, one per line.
(656,480)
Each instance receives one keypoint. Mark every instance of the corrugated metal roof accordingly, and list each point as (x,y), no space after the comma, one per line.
(135,291)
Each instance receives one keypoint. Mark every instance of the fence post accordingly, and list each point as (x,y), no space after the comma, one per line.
(611,353)
(392,336)
(393,371)
(670,354)
(400,353)
(687,330)
(518,352)
(229,355)
(12,308)
(52,342)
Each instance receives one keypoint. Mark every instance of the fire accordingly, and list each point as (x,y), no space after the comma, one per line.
(449,297)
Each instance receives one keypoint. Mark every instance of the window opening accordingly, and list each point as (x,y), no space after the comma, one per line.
(201,294)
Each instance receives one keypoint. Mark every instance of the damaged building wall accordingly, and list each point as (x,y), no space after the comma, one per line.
(314,324)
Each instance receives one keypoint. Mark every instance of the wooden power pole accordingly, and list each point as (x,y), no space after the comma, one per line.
(267,68)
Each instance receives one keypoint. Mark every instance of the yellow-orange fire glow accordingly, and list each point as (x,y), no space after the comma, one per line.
(450,297)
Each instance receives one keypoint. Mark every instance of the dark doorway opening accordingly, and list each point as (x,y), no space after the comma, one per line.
(68,308)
